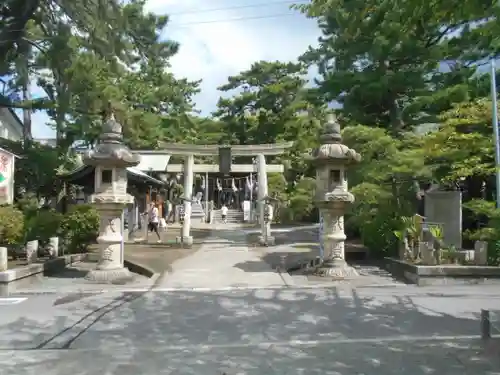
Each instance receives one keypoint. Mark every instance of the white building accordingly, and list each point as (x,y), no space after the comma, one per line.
(11,126)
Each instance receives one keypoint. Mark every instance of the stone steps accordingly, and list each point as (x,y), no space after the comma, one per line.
(233,216)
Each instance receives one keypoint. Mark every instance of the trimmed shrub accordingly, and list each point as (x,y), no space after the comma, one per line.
(80,228)
(11,225)
(45,224)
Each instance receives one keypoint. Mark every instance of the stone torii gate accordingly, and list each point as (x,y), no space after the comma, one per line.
(226,153)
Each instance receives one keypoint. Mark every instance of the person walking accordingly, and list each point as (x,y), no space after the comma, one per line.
(154,220)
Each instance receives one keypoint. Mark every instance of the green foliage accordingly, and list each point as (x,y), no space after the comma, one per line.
(28,204)
(463,145)
(44,225)
(300,207)
(121,61)
(493,253)
(11,225)
(378,236)
(273,106)
(302,200)
(383,60)
(436,231)
(486,210)
(383,184)
(80,228)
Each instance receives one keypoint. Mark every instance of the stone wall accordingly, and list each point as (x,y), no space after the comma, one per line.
(445,207)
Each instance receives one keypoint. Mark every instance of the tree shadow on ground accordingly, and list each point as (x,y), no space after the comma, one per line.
(280,331)
(295,235)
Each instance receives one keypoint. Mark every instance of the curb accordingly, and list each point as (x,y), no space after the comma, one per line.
(50,265)
(139,268)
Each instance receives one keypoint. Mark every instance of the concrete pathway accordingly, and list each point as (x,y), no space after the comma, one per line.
(288,331)
(224,261)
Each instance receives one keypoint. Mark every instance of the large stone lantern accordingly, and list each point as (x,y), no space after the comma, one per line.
(331,159)
(110,159)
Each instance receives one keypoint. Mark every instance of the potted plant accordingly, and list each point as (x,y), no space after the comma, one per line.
(409,236)
(451,253)
(437,234)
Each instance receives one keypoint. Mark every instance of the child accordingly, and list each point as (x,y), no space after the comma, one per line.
(224,214)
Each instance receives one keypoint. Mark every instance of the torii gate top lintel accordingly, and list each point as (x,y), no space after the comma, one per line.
(236,150)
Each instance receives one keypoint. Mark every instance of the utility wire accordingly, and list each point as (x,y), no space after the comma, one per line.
(231,20)
(259,5)
(174,25)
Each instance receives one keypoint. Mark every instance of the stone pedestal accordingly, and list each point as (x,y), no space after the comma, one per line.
(110,267)
(481,253)
(336,269)
(32,251)
(186,241)
(265,238)
(53,247)
(3,259)
(427,253)
(334,264)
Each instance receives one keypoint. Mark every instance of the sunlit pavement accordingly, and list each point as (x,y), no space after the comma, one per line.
(281,330)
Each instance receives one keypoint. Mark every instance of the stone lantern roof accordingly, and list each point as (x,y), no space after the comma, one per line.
(331,148)
(110,150)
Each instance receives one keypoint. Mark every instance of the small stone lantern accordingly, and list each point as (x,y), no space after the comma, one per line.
(331,159)
(111,158)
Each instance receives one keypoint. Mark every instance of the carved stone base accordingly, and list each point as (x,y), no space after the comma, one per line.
(266,241)
(337,269)
(93,256)
(112,276)
(186,241)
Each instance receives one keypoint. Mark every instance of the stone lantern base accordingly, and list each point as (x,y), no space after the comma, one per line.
(336,268)
(187,241)
(110,268)
(106,276)
(266,240)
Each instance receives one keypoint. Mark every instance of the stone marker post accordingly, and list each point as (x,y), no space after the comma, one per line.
(4,257)
(265,238)
(331,159)
(110,159)
(185,237)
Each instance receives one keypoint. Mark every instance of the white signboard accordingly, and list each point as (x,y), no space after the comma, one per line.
(321,248)
(6,177)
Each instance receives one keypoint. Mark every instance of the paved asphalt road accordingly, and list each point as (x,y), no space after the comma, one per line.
(282,330)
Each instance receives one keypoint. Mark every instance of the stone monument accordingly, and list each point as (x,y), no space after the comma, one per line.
(331,159)
(111,158)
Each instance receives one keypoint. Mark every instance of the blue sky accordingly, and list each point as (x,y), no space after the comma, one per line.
(217,44)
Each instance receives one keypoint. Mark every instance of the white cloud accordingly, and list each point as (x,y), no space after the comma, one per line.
(217,44)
